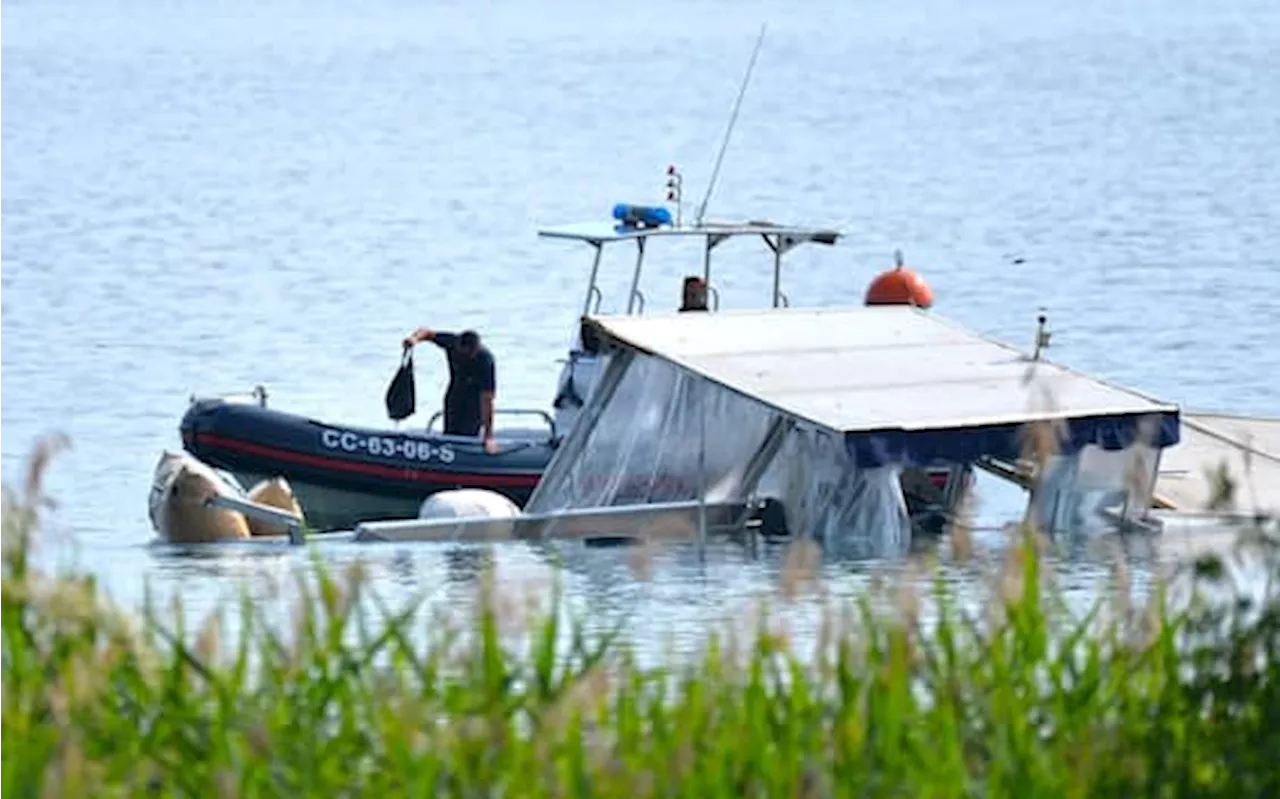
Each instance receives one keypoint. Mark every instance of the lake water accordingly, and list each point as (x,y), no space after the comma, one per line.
(201,197)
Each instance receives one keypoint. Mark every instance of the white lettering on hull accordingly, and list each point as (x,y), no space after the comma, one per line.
(414,449)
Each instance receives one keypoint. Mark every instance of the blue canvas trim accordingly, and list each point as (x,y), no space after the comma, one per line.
(914,448)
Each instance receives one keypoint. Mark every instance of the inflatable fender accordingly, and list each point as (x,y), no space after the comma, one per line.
(467,503)
(179,489)
(168,469)
(275,493)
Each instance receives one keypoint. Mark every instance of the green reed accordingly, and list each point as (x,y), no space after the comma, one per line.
(1019,699)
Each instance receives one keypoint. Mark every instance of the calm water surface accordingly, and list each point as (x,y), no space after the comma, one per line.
(200,197)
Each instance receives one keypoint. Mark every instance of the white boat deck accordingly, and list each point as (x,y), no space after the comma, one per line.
(1248,446)
(670,522)
(876,369)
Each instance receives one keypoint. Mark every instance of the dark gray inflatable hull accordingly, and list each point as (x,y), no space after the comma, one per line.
(344,475)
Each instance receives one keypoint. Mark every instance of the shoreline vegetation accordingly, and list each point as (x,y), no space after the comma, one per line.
(1179,697)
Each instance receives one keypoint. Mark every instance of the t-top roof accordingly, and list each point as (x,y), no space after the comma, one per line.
(601,232)
(902,384)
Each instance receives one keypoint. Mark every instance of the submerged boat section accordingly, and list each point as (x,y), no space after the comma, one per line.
(824,411)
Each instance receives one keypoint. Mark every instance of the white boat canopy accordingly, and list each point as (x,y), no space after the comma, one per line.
(823,410)
(901,384)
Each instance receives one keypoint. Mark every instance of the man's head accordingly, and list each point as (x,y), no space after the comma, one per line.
(694,296)
(469,343)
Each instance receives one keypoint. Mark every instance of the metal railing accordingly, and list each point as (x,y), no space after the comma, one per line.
(546,417)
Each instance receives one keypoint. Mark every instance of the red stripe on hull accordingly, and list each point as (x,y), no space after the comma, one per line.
(391,472)
(937,478)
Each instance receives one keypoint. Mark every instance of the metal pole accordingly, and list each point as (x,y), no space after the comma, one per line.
(263,513)
(713,240)
(702,474)
(595,269)
(1149,496)
(777,274)
(762,458)
(777,265)
(635,278)
(733,118)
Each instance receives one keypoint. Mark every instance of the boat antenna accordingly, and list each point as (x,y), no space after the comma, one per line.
(733,118)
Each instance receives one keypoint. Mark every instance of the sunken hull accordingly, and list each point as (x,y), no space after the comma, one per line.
(343,475)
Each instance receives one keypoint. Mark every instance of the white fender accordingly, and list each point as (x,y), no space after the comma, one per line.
(467,503)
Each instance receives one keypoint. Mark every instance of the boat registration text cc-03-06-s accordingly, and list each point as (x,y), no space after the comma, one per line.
(411,448)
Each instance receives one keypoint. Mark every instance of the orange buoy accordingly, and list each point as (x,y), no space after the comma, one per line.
(899,286)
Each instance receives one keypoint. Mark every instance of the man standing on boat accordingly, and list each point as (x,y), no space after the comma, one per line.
(468,402)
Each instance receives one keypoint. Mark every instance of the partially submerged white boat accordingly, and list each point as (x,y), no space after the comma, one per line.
(696,419)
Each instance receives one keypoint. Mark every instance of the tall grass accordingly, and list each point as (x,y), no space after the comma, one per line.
(1019,699)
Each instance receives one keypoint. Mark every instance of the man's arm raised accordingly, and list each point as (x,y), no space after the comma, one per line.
(441,339)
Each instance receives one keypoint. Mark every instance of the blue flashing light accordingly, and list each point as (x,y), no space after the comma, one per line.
(641,215)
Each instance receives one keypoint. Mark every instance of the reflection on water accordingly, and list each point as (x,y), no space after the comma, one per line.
(671,597)
(666,597)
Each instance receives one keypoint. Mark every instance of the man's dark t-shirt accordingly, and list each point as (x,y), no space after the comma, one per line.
(468,378)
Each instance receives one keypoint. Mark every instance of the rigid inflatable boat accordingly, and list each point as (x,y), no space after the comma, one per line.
(343,475)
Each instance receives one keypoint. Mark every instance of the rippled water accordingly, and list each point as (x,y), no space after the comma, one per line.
(199,197)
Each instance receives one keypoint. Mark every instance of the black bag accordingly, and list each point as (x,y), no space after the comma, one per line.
(401,400)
